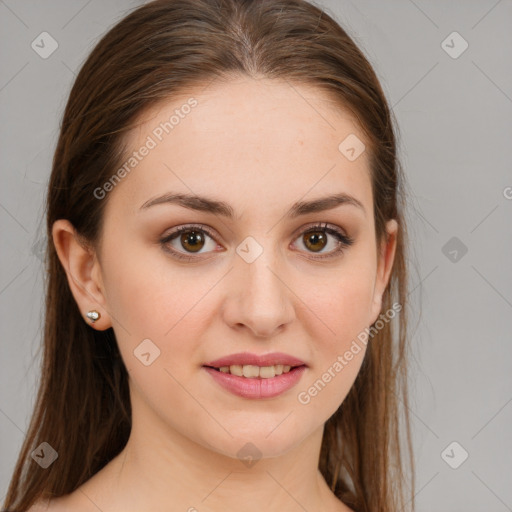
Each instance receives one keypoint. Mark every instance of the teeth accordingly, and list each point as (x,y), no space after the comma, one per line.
(236,369)
(253,372)
(250,371)
(267,372)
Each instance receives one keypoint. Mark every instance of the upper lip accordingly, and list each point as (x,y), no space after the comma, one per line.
(245,358)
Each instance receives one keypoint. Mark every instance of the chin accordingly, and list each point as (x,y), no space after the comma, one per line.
(257,443)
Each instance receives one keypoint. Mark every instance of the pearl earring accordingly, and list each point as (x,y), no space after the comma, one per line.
(93,315)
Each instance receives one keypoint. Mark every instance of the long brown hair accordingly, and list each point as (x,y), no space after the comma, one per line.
(155,53)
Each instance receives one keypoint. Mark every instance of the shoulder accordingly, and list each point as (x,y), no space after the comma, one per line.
(45,506)
(57,504)
(81,499)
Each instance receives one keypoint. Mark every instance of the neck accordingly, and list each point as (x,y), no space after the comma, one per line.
(159,468)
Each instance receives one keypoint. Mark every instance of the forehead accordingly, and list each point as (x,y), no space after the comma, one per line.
(250,139)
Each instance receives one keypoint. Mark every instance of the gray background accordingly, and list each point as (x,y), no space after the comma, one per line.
(455,119)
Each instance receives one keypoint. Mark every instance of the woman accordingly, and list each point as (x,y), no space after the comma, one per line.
(226,293)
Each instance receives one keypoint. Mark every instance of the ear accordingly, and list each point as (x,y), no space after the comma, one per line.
(83,272)
(386,256)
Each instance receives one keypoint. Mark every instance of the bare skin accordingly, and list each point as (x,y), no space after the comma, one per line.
(260,146)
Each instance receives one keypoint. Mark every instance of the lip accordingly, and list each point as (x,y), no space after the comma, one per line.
(243,358)
(257,388)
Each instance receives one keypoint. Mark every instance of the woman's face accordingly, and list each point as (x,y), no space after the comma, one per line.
(245,278)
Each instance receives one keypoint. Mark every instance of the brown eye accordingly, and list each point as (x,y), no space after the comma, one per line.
(320,236)
(315,240)
(186,241)
(192,241)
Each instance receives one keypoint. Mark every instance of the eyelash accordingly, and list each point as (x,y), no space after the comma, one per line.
(344,241)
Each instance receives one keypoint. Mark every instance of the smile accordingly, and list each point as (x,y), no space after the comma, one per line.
(252,383)
(251,371)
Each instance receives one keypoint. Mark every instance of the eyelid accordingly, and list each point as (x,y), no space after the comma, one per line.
(192,227)
(320,225)
(165,239)
(343,239)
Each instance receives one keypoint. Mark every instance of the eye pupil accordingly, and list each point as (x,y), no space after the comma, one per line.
(313,238)
(193,239)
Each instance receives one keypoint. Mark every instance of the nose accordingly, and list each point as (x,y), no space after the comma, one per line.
(259,298)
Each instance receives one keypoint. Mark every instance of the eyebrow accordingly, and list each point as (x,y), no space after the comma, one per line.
(205,204)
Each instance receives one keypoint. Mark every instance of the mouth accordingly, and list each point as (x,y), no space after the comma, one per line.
(252,376)
(256,376)
(250,371)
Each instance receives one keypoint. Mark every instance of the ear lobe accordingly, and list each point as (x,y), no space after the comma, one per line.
(386,257)
(82,270)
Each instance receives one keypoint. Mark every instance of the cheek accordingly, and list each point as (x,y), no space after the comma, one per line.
(343,303)
(159,304)
(151,299)
(344,307)
(146,295)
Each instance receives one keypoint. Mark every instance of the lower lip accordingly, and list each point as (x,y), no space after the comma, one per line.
(257,387)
